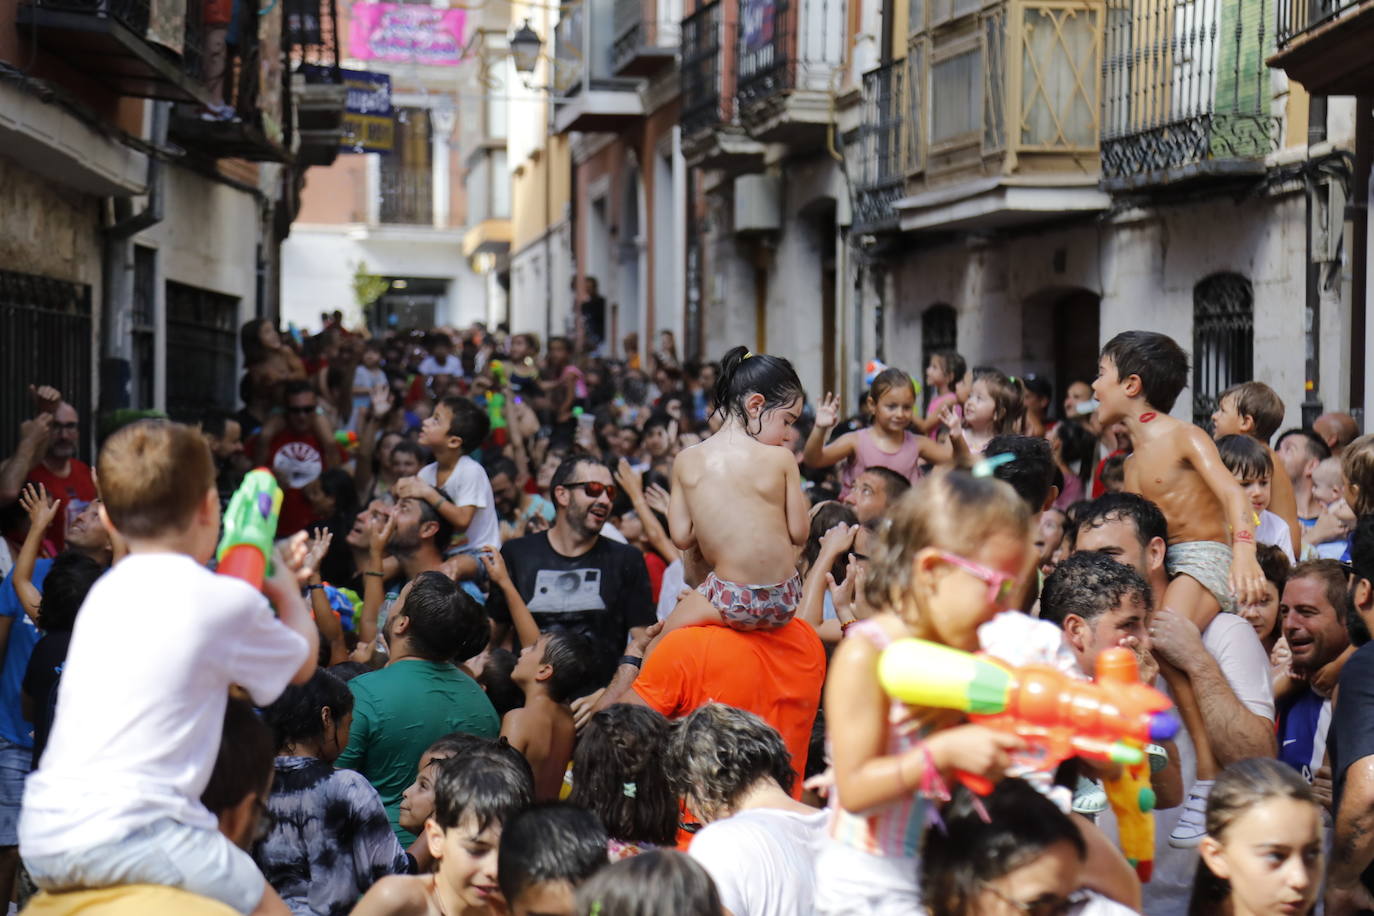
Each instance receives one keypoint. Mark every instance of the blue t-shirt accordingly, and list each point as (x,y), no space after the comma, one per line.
(1303,725)
(23,637)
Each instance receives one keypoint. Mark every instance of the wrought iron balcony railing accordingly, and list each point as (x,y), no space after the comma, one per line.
(1298,17)
(1001,89)
(569,57)
(786,45)
(407,197)
(882,148)
(646,36)
(1187,91)
(705,104)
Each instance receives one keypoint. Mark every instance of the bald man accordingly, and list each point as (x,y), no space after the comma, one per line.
(1337,430)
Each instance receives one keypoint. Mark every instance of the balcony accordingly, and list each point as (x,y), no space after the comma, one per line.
(646,36)
(883,148)
(1324,44)
(407,197)
(1005,104)
(711,137)
(590,97)
(312,29)
(121,43)
(251,95)
(1187,92)
(790,54)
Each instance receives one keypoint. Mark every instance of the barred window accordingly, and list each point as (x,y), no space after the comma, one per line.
(939,331)
(1223,339)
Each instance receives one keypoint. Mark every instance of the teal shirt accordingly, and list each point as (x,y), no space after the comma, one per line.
(398,713)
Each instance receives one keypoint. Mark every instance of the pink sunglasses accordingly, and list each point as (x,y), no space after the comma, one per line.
(1001,586)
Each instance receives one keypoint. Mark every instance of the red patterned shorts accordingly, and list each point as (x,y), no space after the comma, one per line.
(753,607)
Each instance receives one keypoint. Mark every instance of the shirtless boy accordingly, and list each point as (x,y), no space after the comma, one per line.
(551,672)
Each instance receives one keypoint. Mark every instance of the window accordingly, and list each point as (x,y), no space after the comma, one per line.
(407,173)
(45,325)
(144,315)
(1223,339)
(201,350)
(939,331)
(958,83)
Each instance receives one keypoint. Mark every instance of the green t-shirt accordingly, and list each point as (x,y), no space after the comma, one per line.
(398,713)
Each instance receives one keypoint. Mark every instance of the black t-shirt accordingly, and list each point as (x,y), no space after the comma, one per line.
(1350,738)
(600,594)
(40,683)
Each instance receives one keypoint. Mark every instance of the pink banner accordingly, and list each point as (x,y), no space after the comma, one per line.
(404,32)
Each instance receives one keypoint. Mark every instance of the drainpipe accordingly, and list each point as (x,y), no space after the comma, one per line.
(116,313)
(1312,308)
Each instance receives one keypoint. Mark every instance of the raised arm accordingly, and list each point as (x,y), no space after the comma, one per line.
(374,588)
(1247,579)
(326,621)
(526,630)
(283,589)
(834,544)
(41,510)
(819,454)
(415,488)
(33,442)
(633,485)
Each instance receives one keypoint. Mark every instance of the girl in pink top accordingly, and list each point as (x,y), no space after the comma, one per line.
(946,375)
(888,443)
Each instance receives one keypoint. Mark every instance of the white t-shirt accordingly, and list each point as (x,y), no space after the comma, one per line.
(674,582)
(451,366)
(1273,530)
(368,379)
(763,861)
(468,486)
(155,648)
(1245,665)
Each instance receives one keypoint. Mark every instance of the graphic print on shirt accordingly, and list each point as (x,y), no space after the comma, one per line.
(565,591)
(298,463)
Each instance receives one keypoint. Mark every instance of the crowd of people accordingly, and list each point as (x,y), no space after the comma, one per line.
(548,633)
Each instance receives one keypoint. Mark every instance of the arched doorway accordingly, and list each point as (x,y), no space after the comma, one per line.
(939,331)
(1061,337)
(1223,339)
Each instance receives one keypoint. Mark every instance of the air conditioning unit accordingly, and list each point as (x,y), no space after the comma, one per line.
(758,204)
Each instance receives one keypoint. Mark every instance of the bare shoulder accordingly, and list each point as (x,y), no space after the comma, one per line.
(395,895)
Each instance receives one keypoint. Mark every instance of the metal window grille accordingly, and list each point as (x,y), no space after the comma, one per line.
(45,324)
(201,350)
(1298,17)
(767,30)
(144,327)
(701,101)
(939,331)
(1223,339)
(407,181)
(879,147)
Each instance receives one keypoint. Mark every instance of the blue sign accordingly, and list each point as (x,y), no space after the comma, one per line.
(369,122)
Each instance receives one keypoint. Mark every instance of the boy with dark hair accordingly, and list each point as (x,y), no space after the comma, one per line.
(546,852)
(1029,469)
(117,795)
(441,360)
(873,491)
(1211,554)
(455,485)
(421,694)
(1255,410)
(1299,452)
(658,437)
(1250,463)
(552,672)
(475,795)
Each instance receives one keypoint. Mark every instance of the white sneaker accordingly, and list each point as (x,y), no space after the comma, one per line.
(1192,823)
(1089,799)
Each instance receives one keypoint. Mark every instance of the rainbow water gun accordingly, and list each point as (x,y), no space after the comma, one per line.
(1109,719)
(250,526)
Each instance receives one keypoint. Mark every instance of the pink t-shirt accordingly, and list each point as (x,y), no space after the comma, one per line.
(905,461)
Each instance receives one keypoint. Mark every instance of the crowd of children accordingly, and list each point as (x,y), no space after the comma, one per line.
(430,705)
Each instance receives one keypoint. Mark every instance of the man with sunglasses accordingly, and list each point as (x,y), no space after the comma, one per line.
(54,463)
(572,576)
(1350,742)
(298,445)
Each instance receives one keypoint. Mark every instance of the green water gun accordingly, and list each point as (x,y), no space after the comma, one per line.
(250,526)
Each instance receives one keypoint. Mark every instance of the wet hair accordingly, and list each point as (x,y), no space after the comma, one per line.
(295,716)
(886,381)
(573,658)
(495,679)
(1331,573)
(446,623)
(894,484)
(657,883)
(1246,458)
(1357,464)
(975,848)
(1031,470)
(1077,446)
(1315,445)
(955,365)
(491,785)
(1156,359)
(1123,507)
(468,422)
(69,580)
(621,746)
(153,477)
(245,760)
(718,753)
(1088,585)
(951,510)
(1260,403)
(1240,787)
(743,373)
(830,514)
(1008,408)
(1114,470)
(549,842)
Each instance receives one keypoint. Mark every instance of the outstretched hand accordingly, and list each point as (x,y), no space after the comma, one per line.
(379,533)
(953,419)
(41,508)
(629,481)
(495,565)
(318,546)
(828,411)
(46,398)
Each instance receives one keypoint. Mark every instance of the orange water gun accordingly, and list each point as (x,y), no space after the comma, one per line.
(1058,717)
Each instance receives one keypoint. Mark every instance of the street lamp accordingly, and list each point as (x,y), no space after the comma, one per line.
(524,48)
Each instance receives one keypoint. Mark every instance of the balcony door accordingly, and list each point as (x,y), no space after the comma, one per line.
(407,172)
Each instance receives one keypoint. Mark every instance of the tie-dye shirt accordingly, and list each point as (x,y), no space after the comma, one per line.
(330,839)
